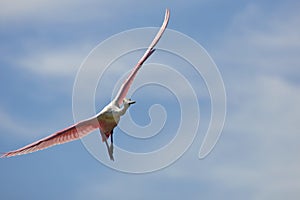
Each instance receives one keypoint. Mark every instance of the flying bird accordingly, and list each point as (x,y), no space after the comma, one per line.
(106,120)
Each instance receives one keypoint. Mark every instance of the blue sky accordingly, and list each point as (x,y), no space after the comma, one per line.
(256,46)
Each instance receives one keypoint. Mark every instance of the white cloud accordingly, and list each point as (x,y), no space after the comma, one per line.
(260,52)
(49,58)
(15,126)
(47,9)
(59,62)
(68,10)
(7,123)
(269,117)
(263,41)
(258,151)
(274,98)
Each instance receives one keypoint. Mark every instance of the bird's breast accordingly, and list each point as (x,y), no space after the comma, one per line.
(108,122)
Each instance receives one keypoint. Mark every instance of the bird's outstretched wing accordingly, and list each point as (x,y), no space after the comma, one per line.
(71,133)
(126,85)
(83,128)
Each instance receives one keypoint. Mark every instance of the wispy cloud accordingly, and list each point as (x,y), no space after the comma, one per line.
(257,154)
(81,11)
(44,10)
(15,126)
(260,135)
(57,62)
(262,41)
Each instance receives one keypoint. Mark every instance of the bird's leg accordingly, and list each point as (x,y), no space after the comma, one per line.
(110,153)
(111,147)
(104,138)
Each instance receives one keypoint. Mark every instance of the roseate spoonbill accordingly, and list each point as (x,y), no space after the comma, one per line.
(106,120)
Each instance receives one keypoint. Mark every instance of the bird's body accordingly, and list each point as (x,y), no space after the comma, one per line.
(110,116)
(106,120)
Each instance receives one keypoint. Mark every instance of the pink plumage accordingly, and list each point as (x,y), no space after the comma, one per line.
(105,121)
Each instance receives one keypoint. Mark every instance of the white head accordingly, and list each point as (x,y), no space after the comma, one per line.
(127,102)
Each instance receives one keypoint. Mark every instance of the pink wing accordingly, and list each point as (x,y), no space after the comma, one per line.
(71,133)
(126,85)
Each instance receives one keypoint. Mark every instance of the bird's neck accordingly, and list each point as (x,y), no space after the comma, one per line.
(124,109)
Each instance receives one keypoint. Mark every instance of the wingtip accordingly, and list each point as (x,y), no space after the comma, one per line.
(8,154)
(167,13)
(4,155)
(167,10)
